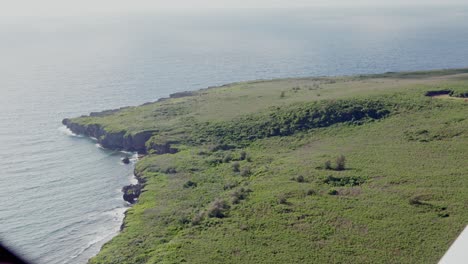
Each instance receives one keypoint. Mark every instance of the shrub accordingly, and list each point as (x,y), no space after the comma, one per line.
(344,181)
(214,161)
(310,192)
(283,94)
(243,155)
(239,195)
(245,172)
(227,158)
(183,220)
(340,163)
(230,185)
(332,191)
(438,92)
(235,199)
(222,147)
(443,214)
(190,184)
(327,165)
(196,220)
(459,94)
(299,178)
(171,170)
(236,167)
(282,199)
(287,120)
(218,208)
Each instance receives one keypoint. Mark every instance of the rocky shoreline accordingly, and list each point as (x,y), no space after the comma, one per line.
(117,141)
(114,140)
(124,141)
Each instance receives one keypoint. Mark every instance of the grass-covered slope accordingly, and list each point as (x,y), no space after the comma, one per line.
(323,170)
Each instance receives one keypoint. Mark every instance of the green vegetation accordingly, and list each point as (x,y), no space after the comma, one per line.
(370,171)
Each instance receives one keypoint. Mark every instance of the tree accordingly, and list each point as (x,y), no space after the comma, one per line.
(340,163)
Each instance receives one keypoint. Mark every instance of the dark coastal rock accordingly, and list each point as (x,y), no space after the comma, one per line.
(139,176)
(182,94)
(114,140)
(126,160)
(131,192)
(122,226)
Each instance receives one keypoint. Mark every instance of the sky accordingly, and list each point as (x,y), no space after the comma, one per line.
(31,8)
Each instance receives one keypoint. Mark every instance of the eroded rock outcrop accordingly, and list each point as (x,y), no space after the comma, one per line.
(132,192)
(111,140)
(126,160)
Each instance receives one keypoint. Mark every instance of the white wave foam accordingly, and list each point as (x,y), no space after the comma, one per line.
(117,213)
(64,130)
(133,157)
(133,179)
(99,146)
(95,244)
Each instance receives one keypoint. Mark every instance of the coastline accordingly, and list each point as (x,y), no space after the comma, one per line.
(143,142)
(135,181)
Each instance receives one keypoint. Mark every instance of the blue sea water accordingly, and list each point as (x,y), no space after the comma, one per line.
(60,194)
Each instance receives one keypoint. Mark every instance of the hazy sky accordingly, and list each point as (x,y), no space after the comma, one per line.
(21,8)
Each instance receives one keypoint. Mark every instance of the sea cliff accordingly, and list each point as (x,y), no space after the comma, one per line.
(112,140)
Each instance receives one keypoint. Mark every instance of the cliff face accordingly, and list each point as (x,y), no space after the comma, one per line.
(115,140)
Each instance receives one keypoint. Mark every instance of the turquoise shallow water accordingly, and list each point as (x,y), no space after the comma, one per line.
(61,193)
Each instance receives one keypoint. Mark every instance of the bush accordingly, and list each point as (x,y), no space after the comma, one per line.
(283,94)
(245,172)
(299,178)
(310,192)
(287,120)
(333,191)
(282,199)
(183,220)
(459,94)
(171,170)
(344,181)
(196,220)
(222,147)
(190,184)
(438,92)
(227,158)
(340,163)
(230,185)
(218,208)
(327,165)
(240,195)
(243,155)
(214,161)
(236,167)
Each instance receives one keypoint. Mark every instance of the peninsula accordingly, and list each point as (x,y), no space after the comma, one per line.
(357,169)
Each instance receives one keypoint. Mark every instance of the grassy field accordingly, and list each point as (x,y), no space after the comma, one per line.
(360,169)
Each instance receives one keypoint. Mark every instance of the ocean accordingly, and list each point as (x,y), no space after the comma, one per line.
(61,193)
